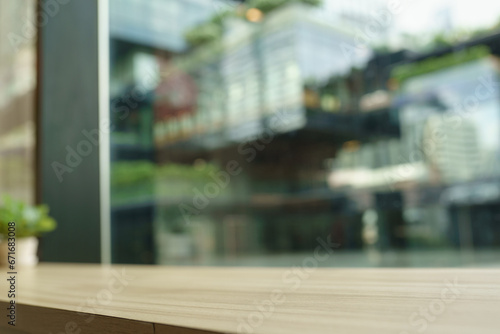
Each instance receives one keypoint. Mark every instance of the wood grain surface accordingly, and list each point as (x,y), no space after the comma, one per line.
(70,298)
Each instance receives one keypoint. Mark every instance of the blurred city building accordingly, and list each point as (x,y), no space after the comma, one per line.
(218,96)
(383,150)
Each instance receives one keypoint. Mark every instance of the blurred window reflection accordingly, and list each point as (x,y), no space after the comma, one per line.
(246,130)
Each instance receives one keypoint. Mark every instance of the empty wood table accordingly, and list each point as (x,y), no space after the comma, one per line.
(77,299)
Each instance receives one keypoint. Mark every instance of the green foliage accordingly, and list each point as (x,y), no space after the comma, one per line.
(208,31)
(382,48)
(137,172)
(205,33)
(219,18)
(441,40)
(133,181)
(405,71)
(312,2)
(267,6)
(126,173)
(212,30)
(30,220)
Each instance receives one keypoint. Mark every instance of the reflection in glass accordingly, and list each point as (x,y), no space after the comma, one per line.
(249,132)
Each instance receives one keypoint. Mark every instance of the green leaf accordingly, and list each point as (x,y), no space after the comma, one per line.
(30,220)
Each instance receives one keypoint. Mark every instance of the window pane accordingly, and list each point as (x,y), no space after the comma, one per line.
(254,132)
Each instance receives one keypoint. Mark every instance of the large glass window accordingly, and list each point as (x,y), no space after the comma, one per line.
(249,132)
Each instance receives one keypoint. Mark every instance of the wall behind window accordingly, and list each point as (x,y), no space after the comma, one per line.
(17,99)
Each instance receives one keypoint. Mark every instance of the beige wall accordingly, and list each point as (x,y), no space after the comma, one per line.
(17,98)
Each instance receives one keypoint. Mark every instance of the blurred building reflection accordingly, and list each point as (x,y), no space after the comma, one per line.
(252,133)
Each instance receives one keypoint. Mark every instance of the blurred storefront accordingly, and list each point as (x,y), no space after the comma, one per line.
(384,151)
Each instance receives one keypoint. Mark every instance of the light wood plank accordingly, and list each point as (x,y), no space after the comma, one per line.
(227,300)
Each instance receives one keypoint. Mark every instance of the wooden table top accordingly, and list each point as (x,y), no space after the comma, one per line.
(71,298)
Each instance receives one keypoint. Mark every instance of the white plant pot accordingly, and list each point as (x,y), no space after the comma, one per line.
(25,254)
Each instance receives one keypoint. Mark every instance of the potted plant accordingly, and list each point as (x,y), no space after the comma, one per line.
(20,225)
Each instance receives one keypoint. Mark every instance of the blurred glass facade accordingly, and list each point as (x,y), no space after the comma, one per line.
(244,132)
